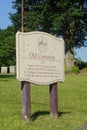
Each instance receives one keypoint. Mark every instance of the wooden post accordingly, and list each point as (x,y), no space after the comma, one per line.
(26,111)
(53,100)
(25,86)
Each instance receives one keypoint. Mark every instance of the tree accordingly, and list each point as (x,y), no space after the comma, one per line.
(74,26)
(7,46)
(58,17)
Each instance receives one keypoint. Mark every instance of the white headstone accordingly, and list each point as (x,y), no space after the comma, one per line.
(13,69)
(3,70)
(40,58)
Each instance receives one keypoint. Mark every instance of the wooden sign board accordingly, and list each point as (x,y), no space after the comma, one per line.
(40,57)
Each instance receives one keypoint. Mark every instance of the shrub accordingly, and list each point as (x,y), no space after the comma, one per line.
(75,69)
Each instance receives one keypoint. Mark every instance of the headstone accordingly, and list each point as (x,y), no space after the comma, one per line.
(3,70)
(12,69)
(40,58)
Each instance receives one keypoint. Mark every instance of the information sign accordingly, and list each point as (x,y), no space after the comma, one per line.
(40,57)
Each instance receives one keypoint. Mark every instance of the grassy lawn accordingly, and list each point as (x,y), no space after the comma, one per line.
(72,104)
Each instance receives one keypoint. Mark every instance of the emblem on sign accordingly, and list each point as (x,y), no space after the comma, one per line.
(42,44)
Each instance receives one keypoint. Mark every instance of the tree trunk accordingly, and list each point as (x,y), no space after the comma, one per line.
(69,60)
(69,55)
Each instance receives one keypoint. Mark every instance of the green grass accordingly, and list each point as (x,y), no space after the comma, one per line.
(72,104)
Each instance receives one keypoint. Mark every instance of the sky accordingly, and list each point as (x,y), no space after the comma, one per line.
(6,8)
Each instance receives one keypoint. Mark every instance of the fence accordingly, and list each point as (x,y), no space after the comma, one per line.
(8,70)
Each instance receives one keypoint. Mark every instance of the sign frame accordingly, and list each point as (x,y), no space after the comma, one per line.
(44,56)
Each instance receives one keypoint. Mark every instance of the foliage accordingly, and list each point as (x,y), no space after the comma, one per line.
(75,69)
(81,64)
(7,46)
(58,17)
(61,18)
(72,101)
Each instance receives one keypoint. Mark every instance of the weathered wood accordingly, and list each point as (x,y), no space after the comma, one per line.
(53,100)
(25,86)
(26,101)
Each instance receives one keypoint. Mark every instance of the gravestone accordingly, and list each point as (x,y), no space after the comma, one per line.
(3,70)
(12,69)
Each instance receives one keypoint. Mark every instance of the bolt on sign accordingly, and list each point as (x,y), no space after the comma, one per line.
(40,58)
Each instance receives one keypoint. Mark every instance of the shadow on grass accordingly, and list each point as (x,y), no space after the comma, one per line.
(43,113)
(6,77)
(63,113)
(39,113)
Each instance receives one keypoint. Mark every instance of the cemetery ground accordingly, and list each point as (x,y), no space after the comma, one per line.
(72,97)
